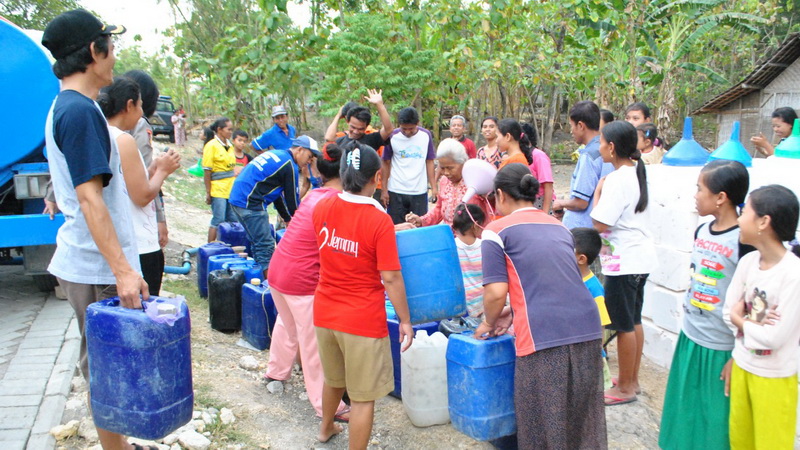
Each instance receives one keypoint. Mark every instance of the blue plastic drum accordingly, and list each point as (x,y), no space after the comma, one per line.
(432,273)
(203,254)
(258,315)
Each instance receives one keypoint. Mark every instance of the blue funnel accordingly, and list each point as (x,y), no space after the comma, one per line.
(790,147)
(733,149)
(687,152)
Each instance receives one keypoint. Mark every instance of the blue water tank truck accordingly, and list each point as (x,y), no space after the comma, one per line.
(27,90)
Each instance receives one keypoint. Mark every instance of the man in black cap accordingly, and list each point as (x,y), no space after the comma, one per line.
(96,255)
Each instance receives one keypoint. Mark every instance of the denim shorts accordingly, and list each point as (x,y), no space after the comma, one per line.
(221,211)
(256,225)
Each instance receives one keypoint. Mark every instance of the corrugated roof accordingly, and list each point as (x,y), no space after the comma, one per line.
(769,69)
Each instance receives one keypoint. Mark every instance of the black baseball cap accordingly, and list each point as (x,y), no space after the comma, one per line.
(73,30)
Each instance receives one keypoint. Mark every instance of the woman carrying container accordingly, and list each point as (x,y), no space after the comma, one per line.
(558,382)
(293,279)
(358,261)
(451,156)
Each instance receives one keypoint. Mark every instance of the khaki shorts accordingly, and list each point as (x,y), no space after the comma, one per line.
(361,364)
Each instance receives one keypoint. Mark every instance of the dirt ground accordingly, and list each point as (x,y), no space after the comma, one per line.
(287,420)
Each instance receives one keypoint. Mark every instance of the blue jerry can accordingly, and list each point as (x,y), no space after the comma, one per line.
(480,386)
(203,254)
(141,371)
(258,314)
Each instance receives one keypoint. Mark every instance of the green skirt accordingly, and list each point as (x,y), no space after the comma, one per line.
(695,414)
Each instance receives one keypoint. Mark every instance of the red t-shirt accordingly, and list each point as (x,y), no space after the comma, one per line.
(356,241)
(469,146)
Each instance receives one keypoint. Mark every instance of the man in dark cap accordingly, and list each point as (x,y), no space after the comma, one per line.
(96,255)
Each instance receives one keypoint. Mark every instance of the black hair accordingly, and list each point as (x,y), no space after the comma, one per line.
(649,131)
(516,181)
(113,99)
(607,116)
(786,114)
(780,204)
(356,169)
(462,221)
(79,60)
(587,243)
(639,106)
(624,137)
(329,169)
(730,177)
(208,134)
(587,112)
(238,133)
(360,113)
(408,116)
(512,127)
(148,88)
(347,107)
(492,118)
(530,132)
(219,123)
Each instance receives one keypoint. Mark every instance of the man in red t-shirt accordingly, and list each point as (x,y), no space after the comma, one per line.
(358,261)
(458,128)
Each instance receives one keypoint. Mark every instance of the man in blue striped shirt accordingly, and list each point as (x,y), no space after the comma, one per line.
(272,177)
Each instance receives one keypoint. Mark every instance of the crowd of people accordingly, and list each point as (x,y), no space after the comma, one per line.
(733,381)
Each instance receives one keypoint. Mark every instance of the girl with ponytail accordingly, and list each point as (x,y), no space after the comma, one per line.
(358,261)
(558,376)
(628,253)
(514,143)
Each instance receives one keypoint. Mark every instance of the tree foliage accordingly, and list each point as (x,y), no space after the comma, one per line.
(519,58)
(34,14)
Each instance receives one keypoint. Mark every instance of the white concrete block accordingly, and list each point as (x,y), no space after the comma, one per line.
(668,185)
(672,225)
(659,344)
(672,271)
(663,306)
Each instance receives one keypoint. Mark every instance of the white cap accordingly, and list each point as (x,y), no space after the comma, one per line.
(255,282)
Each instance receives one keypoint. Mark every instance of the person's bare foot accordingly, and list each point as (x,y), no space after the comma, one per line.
(327,434)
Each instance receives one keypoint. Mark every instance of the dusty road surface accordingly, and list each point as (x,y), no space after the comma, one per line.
(286,420)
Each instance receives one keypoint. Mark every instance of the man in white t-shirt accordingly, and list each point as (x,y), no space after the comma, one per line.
(408,168)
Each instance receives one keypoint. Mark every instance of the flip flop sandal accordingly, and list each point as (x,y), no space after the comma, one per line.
(340,417)
(141,447)
(617,400)
(615,381)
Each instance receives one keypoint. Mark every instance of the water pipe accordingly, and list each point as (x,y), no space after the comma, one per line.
(187,263)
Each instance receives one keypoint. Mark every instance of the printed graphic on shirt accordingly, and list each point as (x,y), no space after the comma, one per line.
(756,306)
(336,243)
(412,152)
(608,259)
(705,278)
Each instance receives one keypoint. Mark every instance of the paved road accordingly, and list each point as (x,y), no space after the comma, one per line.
(39,344)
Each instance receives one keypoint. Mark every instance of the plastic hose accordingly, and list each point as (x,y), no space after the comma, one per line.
(187,263)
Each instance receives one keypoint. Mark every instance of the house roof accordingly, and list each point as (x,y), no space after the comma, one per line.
(769,69)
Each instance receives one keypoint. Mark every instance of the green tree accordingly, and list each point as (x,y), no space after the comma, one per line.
(34,14)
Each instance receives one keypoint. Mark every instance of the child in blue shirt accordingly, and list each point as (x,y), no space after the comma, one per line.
(587,248)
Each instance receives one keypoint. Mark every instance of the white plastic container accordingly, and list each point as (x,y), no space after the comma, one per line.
(424,380)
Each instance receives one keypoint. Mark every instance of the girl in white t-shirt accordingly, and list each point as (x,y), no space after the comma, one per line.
(121,103)
(762,308)
(628,253)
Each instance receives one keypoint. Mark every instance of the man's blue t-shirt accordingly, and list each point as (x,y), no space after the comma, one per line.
(87,152)
(271,177)
(588,171)
(275,138)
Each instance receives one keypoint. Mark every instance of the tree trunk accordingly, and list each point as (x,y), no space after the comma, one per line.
(552,112)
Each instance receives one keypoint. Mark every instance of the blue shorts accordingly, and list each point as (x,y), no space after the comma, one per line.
(221,211)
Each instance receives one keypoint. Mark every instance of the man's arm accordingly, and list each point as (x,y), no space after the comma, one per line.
(386,172)
(376,98)
(129,283)
(330,133)
(431,180)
